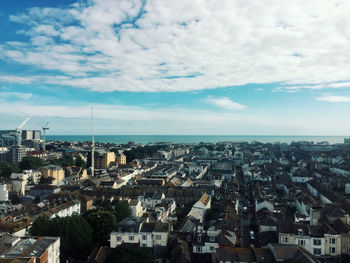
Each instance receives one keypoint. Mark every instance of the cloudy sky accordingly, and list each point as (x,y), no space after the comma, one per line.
(274,67)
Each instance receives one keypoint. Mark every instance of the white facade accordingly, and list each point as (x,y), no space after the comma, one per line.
(118,238)
(73,208)
(54,252)
(318,246)
(136,210)
(153,239)
(4,193)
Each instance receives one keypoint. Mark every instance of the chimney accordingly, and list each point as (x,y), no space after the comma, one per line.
(315,215)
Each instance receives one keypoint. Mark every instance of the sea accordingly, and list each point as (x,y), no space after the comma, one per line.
(146,139)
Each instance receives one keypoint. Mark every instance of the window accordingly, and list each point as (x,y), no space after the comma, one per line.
(120,229)
(317,251)
(199,249)
(285,239)
(212,238)
(317,242)
(119,239)
(348,249)
(300,232)
(332,250)
(211,248)
(188,238)
(131,238)
(333,241)
(348,240)
(144,237)
(158,237)
(199,239)
(132,230)
(301,242)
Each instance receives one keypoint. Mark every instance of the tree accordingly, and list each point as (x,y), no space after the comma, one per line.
(40,226)
(66,161)
(121,210)
(30,162)
(130,254)
(80,162)
(102,223)
(6,169)
(74,231)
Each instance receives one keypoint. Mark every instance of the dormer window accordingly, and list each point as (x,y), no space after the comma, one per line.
(199,239)
(300,232)
(120,229)
(132,230)
(212,238)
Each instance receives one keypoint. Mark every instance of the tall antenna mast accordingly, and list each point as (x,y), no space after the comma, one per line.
(44,130)
(92,143)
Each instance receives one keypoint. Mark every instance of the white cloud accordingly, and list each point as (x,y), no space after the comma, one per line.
(186,45)
(17,95)
(330,98)
(226,103)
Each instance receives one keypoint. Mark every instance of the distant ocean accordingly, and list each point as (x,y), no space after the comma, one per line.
(144,139)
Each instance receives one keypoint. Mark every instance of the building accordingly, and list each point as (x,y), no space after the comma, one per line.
(136,208)
(53,171)
(43,190)
(30,176)
(121,159)
(154,234)
(102,162)
(15,154)
(21,180)
(29,249)
(127,231)
(4,193)
(8,138)
(31,135)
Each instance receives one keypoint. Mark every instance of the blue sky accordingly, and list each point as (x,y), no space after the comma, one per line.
(226,67)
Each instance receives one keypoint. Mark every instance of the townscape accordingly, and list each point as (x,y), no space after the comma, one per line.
(166,202)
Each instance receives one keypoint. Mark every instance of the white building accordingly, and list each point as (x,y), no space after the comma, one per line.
(136,208)
(4,193)
(38,248)
(154,234)
(127,231)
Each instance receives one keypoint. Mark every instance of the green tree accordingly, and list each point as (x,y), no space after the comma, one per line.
(121,210)
(80,162)
(40,227)
(30,162)
(74,231)
(7,168)
(102,223)
(66,161)
(130,254)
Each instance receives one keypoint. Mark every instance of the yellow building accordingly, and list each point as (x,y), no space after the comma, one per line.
(121,159)
(54,171)
(104,160)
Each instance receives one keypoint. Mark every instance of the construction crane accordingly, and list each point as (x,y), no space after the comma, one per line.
(19,131)
(44,135)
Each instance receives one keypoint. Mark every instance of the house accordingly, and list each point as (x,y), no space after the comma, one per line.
(108,184)
(154,234)
(43,190)
(151,199)
(206,242)
(291,253)
(126,231)
(199,208)
(38,249)
(136,208)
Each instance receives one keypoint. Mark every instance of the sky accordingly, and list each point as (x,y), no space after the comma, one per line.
(216,67)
